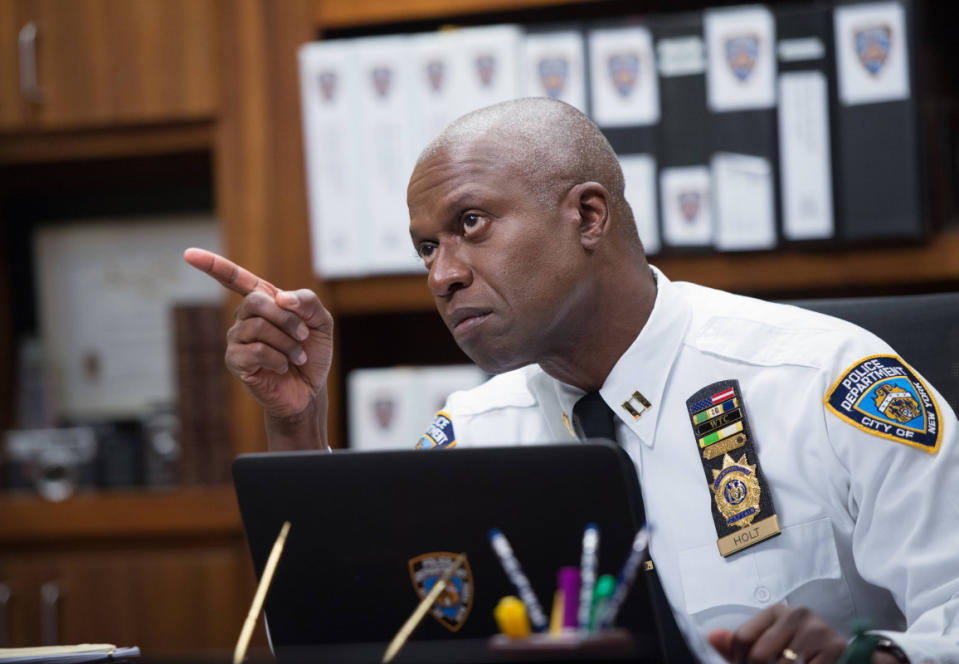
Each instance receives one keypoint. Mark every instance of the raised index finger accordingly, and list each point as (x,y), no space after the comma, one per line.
(228,273)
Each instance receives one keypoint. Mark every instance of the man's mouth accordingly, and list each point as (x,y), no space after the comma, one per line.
(466,319)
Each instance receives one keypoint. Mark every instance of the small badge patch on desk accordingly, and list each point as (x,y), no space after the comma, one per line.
(882,396)
(742,506)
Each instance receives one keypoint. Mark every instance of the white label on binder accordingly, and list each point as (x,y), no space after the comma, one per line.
(741,72)
(687,206)
(554,64)
(488,59)
(387,149)
(639,170)
(623,77)
(434,71)
(745,212)
(391,407)
(872,53)
(801,49)
(804,154)
(680,56)
(327,90)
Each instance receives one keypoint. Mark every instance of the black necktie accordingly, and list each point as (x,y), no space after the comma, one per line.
(595,417)
(598,421)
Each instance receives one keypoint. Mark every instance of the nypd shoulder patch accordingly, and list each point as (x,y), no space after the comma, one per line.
(883,396)
(439,434)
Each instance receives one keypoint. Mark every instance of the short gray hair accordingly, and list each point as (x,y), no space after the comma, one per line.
(556,145)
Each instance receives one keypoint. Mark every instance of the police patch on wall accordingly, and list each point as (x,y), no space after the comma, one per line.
(453,606)
(439,434)
(882,395)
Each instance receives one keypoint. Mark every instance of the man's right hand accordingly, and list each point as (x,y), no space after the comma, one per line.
(280,347)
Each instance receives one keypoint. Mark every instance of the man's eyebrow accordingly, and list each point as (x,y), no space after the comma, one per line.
(415,237)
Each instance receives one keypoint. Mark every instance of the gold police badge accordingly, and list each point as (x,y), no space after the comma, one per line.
(896,403)
(736,491)
(742,508)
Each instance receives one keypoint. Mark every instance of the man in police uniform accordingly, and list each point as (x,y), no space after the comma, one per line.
(797,472)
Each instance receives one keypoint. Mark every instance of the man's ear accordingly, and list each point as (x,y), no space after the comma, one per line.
(591,203)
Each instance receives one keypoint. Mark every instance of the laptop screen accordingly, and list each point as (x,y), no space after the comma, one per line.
(370,532)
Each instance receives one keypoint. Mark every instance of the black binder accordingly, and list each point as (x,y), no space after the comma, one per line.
(806,44)
(635,139)
(748,131)
(880,192)
(683,134)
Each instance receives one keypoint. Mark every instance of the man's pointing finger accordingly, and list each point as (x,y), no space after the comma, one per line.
(228,273)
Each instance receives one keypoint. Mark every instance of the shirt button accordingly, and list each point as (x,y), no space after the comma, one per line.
(762,594)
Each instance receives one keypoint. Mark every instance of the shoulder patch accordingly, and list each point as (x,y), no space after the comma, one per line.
(439,433)
(881,395)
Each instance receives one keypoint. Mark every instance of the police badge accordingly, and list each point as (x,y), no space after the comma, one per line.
(623,72)
(383,410)
(553,73)
(435,70)
(327,80)
(882,396)
(736,491)
(486,68)
(689,204)
(382,77)
(718,416)
(454,604)
(872,47)
(741,55)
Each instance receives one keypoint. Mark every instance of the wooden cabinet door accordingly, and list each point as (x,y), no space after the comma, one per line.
(106,62)
(169,601)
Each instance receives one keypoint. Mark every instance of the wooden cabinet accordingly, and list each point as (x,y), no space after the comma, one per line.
(82,63)
(169,572)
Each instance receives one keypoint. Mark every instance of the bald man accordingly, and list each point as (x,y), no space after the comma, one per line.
(795,469)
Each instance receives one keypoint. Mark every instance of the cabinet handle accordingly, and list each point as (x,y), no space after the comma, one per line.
(50,598)
(4,615)
(29,86)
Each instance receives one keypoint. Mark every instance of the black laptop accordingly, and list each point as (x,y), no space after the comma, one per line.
(368,527)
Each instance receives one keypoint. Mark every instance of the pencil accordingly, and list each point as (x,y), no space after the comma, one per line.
(244,641)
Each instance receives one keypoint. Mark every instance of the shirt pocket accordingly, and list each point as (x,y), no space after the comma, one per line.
(799,567)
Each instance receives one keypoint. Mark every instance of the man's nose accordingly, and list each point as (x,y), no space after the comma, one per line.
(448,272)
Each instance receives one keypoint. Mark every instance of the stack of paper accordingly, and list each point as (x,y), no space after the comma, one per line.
(83,652)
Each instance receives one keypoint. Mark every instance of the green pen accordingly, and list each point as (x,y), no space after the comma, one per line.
(605,587)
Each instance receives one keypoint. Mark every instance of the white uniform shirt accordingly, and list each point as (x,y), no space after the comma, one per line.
(870,526)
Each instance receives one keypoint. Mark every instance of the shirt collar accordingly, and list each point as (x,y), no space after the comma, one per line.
(639,376)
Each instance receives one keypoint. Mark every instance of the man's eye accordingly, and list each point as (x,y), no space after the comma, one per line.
(473,224)
(426,251)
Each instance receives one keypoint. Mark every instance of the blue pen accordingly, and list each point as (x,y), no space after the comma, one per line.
(587,573)
(626,577)
(515,573)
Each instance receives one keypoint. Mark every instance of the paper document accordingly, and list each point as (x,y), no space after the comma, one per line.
(872,53)
(741,72)
(744,204)
(554,65)
(805,161)
(639,171)
(623,77)
(84,652)
(687,206)
(329,85)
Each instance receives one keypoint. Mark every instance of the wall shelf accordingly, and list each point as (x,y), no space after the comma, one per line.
(796,270)
(25,147)
(126,514)
(337,14)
